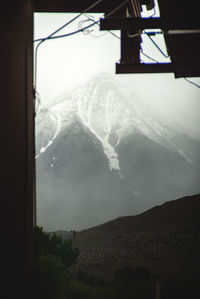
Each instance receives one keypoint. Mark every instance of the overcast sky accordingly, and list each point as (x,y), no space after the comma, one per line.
(64,63)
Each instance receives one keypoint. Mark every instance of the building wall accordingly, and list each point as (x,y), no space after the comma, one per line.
(17,139)
(16,146)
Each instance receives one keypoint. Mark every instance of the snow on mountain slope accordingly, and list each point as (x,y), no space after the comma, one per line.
(98,146)
(111,112)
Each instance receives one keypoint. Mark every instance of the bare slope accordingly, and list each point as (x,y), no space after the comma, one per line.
(164,239)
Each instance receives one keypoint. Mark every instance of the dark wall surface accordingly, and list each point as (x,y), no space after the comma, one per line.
(16,146)
(17,139)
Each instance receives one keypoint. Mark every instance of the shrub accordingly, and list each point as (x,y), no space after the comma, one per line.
(52,257)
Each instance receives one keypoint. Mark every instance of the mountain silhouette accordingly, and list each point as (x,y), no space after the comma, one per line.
(165,240)
(102,153)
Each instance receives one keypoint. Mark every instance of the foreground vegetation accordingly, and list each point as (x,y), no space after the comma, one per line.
(53,276)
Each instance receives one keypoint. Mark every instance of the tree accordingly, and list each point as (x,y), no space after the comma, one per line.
(56,246)
(51,259)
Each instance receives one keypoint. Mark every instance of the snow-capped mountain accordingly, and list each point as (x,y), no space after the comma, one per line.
(101,135)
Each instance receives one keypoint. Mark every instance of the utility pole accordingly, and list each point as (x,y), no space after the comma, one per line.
(74,238)
(157,290)
(74,246)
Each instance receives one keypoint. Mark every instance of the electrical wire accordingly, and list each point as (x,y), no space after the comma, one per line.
(68,34)
(90,31)
(51,36)
(54,37)
(192,82)
(149,57)
(80,26)
(116,9)
(135,7)
(156,45)
(115,35)
(136,10)
(133,35)
(69,22)
(98,22)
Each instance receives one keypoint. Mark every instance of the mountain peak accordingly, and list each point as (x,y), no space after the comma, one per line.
(111,112)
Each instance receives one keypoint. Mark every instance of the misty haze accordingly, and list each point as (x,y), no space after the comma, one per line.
(103,153)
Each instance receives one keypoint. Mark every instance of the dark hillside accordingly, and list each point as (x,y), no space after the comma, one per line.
(170,215)
(164,239)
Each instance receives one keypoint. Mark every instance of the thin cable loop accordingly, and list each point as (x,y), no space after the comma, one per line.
(69,22)
(53,37)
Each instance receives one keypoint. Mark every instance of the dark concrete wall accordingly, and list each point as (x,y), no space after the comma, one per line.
(17,139)
(16,146)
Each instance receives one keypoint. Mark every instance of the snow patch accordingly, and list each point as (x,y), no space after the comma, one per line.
(58,120)
(111,154)
(108,148)
(43,149)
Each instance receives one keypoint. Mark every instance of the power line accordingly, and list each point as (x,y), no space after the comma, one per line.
(90,31)
(156,45)
(98,22)
(116,9)
(67,34)
(149,57)
(55,37)
(192,82)
(51,36)
(115,35)
(69,22)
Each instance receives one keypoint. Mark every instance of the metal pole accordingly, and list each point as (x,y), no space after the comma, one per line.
(158,290)
(74,245)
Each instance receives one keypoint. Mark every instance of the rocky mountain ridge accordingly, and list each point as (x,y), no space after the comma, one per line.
(165,240)
(100,148)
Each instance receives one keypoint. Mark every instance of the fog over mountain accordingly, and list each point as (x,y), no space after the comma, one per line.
(102,153)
